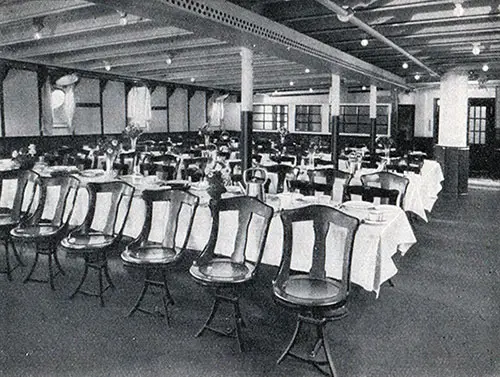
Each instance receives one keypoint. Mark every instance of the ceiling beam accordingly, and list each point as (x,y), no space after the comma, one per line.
(240,27)
(100,38)
(11,12)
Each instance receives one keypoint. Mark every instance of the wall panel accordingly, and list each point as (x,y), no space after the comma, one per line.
(178,110)
(20,89)
(113,105)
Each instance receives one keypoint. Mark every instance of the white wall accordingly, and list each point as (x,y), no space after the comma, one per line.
(21,103)
(113,106)
(197,111)
(178,110)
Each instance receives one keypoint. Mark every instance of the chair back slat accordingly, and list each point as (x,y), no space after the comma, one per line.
(251,211)
(387,181)
(121,194)
(324,218)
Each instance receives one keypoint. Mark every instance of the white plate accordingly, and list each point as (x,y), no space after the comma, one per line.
(374,222)
(91,173)
(357,204)
(178,182)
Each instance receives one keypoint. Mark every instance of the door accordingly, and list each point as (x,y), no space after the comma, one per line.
(405,127)
(481,135)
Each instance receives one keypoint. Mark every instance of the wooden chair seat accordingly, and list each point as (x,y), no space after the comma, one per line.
(90,241)
(222,270)
(35,233)
(153,255)
(302,290)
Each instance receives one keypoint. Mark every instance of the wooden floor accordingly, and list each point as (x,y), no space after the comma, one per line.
(441,318)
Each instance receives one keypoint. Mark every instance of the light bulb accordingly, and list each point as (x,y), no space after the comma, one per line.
(37,35)
(476,49)
(168,61)
(307,70)
(123,20)
(364,42)
(311,90)
(405,65)
(363,87)
(459,10)
(292,83)
(192,79)
(486,67)
(417,77)
(107,66)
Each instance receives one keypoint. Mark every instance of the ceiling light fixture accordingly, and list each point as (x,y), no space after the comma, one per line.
(459,9)
(363,88)
(311,90)
(347,14)
(364,42)
(405,65)
(275,92)
(123,18)
(107,66)
(192,79)
(417,77)
(292,83)
(476,48)
(307,70)
(168,60)
(485,67)
(37,27)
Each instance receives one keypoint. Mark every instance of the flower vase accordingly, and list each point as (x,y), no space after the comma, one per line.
(133,143)
(110,160)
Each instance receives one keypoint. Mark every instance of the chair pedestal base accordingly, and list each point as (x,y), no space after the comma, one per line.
(321,342)
(99,263)
(165,296)
(52,257)
(8,267)
(238,320)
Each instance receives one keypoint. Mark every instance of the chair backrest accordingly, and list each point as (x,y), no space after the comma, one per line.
(57,200)
(108,202)
(372,194)
(177,203)
(281,170)
(254,218)
(389,181)
(22,200)
(326,222)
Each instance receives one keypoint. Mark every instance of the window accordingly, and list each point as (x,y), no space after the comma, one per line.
(308,118)
(477,125)
(355,119)
(270,117)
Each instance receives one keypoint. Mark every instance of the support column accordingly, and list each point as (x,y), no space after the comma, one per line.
(373,124)
(335,114)
(246,107)
(452,150)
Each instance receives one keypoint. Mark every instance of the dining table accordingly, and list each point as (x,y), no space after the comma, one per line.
(375,244)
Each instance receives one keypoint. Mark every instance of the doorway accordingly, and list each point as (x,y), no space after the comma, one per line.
(481,136)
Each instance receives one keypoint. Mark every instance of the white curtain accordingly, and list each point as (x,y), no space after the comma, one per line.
(216,110)
(69,105)
(139,106)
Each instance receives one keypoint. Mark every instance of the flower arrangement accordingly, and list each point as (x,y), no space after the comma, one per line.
(133,130)
(384,142)
(110,147)
(218,175)
(205,130)
(25,157)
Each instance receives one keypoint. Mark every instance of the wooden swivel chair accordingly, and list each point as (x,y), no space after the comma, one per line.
(100,232)
(314,295)
(155,257)
(388,181)
(23,207)
(49,224)
(227,274)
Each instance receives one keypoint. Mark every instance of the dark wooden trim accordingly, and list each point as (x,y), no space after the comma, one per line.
(373,137)
(159,108)
(246,140)
(4,70)
(42,76)
(169,92)
(88,104)
(190,94)
(102,88)
(335,145)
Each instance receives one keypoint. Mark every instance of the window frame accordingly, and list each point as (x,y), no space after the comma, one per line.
(284,111)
